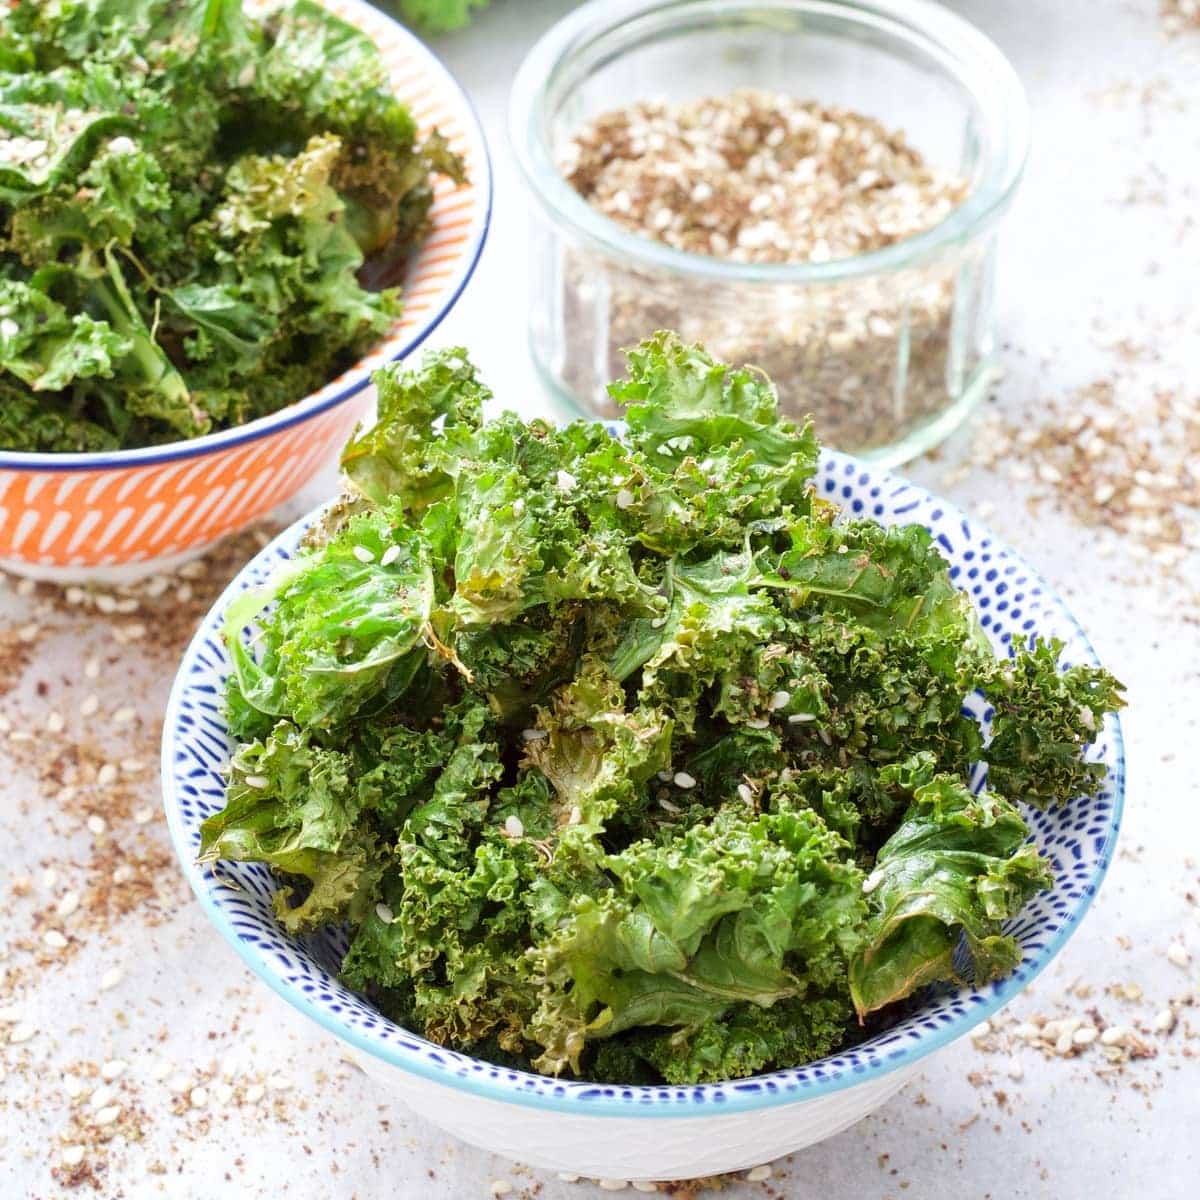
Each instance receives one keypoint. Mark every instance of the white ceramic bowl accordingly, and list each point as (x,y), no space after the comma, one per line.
(650,1132)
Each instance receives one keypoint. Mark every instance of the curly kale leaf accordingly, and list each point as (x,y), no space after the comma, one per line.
(291,804)
(438,16)
(755,908)
(347,626)
(958,864)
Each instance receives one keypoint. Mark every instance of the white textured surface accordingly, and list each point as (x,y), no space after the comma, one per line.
(1103,245)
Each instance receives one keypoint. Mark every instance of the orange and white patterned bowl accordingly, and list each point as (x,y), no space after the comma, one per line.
(113,517)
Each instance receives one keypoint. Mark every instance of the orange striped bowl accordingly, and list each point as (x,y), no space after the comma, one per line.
(113,517)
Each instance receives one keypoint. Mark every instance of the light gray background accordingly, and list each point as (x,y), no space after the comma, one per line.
(1103,245)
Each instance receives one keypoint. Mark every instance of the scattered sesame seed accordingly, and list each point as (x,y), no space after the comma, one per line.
(513,826)
(90,705)
(758,723)
(55,723)
(54,939)
(746,793)
(533,735)
(871,882)
(73,1086)
(1085,1035)
(280,1083)
(68,904)
(760,1173)
(1165,1021)
(384,913)
(501,1187)
(49,879)
(110,979)
(103,1096)
(256,781)
(645,1185)
(575,816)
(10,1015)
(1114,1035)
(1178,955)
(113,1069)
(254,1093)
(106,1116)
(124,716)
(222,1094)
(21,1032)
(91,668)
(389,556)
(72,1155)
(683,780)
(625,498)
(143,816)
(1014,1069)
(132,766)
(198,1098)
(96,824)
(568,1177)
(779,700)
(565,481)
(107,775)
(364,554)
(612,1185)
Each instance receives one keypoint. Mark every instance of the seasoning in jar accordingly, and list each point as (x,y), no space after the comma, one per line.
(762,178)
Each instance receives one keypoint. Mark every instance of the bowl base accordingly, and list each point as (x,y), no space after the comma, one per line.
(113,573)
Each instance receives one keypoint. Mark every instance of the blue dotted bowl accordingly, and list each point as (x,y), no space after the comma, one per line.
(1014,605)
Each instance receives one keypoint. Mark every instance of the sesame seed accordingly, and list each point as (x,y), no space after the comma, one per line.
(625,498)
(684,780)
(823,734)
(760,1173)
(779,700)
(982,1029)
(568,1177)
(1114,1035)
(1014,1069)
(222,1094)
(565,481)
(280,1083)
(575,816)
(758,723)
(49,878)
(132,766)
(55,723)
(106,1116)
(534,735)
(384,913)
(745,791)
(73,1086)
(513,826)
(90,705)
(123,874)
(612,1185)
(107,775)
(110,979)
(256,781)
(113,1069)
(1065,1043)
(124,716)
(871,882)
(1165,1021)
(54,939)
(91,669)
(389,556)
(72,1155)
(21,1032)
(96,824)
(1178,955)
(68,904)
(143,816)
(667,806)
(363,554)
(501,1187)
(645,1185)
(254,1093)
(103,1096)
(1085,1035)
(198,1098)
(9,328)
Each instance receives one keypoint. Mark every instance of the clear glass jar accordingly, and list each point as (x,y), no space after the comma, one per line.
(888,350)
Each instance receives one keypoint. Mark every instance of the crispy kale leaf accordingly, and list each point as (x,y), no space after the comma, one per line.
(191,199)
(630,758)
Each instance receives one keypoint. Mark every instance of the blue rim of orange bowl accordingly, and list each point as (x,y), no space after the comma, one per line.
(525,1089)
(316,404)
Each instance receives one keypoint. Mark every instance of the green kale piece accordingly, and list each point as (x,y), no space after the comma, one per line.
(957,865)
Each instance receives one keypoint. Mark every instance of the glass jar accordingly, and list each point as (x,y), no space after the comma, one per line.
(888,350)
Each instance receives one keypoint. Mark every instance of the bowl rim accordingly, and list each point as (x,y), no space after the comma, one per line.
(961,48)
(776,1088)
(356,377)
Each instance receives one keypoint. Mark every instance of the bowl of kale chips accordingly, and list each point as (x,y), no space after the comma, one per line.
(215,222)
(641,802)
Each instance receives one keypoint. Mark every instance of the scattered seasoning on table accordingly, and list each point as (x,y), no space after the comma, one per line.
(763,178)
(1180,16)
(1115,459)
